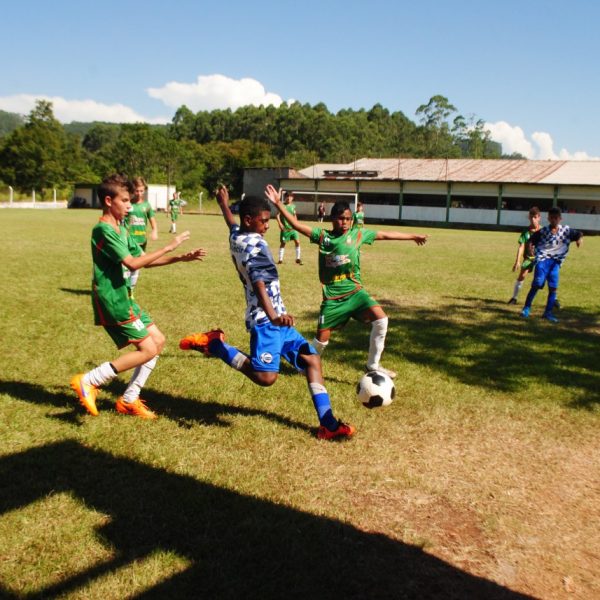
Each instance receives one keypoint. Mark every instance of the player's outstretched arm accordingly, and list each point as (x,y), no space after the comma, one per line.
(396,235)
(133,263)
(197,254)
(274,197)
(223,202)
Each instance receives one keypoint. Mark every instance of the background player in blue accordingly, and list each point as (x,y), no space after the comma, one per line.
(551,245)
(272,332)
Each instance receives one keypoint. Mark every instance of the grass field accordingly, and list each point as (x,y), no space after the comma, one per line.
(481,480)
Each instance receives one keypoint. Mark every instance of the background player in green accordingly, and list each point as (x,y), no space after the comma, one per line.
(137,220)
(524,261)
(175,209)
(358,218)
(286,232)
(115,254)
(339,271)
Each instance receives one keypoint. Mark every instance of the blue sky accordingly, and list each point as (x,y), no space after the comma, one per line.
(529,68)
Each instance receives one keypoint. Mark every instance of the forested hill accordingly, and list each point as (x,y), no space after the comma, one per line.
(198,150)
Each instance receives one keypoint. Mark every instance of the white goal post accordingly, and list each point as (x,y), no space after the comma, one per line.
(307,202)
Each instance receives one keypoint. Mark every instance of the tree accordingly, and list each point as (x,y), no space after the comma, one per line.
(434,118)
(35,155)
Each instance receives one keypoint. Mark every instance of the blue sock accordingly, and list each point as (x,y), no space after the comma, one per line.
(529,300)
(551,301)
(229,354)
(320,399)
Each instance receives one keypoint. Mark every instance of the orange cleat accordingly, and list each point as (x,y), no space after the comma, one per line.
(200,341)
(343,431)
(86,393)
(135,409)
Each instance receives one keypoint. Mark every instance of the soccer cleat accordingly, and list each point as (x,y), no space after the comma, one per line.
(279,262)
(299,261)
(200,341)
(343,431)
(550,317)
(86,393)
(391,374)
(512,301)
(525,312)
(135,409)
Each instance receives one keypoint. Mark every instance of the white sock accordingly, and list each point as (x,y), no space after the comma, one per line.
(518,286)
(319,346)
(133,278)
(100,375)
(138,379)
(281,253)
(174,228)
(298,252)
(238,361)
(377,342)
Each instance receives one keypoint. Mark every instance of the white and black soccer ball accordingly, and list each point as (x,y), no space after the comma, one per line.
(375,389)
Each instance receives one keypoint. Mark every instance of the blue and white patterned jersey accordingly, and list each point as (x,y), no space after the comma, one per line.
(254,262)
(553,245)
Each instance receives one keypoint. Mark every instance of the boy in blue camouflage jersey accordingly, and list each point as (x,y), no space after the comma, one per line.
(551,244)
(271,328)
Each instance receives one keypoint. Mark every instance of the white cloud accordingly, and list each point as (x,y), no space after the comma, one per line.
(211,92)
(540,147)
(77,110)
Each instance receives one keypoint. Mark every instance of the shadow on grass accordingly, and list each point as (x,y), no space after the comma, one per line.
(238,546)
(76,292)
(183,411)
(485,343)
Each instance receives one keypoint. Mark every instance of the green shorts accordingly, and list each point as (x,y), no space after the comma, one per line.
(174,216)
(130,333)
(336,313)
(528,265)
(288,235)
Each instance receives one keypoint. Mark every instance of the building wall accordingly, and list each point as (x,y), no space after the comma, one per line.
(459,203)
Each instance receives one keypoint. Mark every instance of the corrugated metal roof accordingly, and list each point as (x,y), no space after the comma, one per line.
(555,172)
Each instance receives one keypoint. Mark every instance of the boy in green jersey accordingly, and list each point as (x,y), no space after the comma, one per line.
(358,218)
(286,232)
(525,262)
(115,254)
(137,220)
(175,209)
(339,271)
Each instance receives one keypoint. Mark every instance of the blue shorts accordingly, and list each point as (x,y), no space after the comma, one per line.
(546,271)
(268,343)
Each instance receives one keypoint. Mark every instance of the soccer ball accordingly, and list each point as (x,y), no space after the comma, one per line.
(375,389)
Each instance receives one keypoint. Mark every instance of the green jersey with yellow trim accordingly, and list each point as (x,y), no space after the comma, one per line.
(137,220)
(339,260)
(111,293)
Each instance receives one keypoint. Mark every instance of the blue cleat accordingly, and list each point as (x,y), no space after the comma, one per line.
(550,317)
(525,312)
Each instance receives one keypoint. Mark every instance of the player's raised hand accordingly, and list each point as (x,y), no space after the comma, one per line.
(420,240)
(223,195)
(273,195)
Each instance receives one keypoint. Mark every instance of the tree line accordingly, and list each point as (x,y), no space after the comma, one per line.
(197,151)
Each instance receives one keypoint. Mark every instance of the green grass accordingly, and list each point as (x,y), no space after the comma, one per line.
(480,480)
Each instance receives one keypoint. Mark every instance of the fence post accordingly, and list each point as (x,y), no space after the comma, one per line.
(33,195)
(10,194)
(54,194)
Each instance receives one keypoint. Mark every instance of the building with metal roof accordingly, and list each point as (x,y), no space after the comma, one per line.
(494,193)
